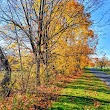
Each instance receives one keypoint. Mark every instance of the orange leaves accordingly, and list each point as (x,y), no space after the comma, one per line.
(97,104)
(71,5)
(91,33)
(21,102)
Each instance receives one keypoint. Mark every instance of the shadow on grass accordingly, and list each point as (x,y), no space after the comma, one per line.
(67,102)
(87,82)
(88,72)
(96,85)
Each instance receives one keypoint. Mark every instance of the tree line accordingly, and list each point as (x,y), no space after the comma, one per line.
(44,38)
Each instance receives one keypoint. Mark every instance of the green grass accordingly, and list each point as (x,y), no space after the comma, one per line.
(83,94)
(106,70)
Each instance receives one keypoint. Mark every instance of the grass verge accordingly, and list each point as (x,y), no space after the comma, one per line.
(106,70)
(84,93)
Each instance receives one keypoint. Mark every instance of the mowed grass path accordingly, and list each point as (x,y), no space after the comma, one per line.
(84,93)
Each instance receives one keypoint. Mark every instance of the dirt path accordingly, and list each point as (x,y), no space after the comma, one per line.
(102,76)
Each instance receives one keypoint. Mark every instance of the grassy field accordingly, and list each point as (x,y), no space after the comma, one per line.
(84,93)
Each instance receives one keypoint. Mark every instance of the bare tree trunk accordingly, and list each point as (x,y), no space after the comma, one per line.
(36,49)
(46,57)
(7,77)
(40,35)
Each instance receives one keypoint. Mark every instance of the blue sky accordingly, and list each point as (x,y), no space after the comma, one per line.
(101,27)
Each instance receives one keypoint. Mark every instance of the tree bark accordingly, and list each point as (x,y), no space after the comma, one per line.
(40,35)
(7,77)
(46,57)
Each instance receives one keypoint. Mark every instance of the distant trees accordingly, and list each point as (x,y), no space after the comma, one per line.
(102,62)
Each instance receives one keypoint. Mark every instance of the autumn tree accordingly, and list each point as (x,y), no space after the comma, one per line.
(102,62)
(75,41)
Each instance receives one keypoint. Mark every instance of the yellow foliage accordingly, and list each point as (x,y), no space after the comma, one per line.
(13,45)
(71,47)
